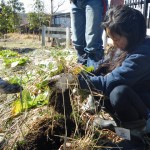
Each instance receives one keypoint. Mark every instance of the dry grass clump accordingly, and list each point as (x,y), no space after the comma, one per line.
(19,36)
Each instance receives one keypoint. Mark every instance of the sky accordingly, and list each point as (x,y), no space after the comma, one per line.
(28,4)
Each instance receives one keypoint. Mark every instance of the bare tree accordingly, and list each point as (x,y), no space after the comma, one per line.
(55,5)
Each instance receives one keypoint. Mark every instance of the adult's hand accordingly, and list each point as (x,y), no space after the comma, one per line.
(8,88)
(61,81)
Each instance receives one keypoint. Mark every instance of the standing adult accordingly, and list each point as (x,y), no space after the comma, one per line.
(86,17)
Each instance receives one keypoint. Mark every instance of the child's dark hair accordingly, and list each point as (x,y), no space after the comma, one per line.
(127,22)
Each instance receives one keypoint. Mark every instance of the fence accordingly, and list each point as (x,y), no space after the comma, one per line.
(56,32)
(143,5)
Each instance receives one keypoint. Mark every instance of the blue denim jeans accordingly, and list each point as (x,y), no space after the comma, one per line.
(126,104)
(86,17)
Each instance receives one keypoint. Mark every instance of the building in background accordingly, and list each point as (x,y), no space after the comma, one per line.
(61,20)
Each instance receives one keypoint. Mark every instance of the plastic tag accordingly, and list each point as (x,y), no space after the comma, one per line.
(123,133)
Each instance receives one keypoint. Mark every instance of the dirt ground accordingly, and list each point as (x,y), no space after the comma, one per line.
(16,128)
(46,127)
(20,41)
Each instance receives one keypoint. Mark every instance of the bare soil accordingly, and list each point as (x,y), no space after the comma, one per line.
(34,129)
(44,127)
(46,134)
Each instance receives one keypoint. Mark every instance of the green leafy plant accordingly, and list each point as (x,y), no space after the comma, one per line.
(28,101)
(17,80)
(13,59)
(8,53)
(88,69)
(13,62)
(43,84)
